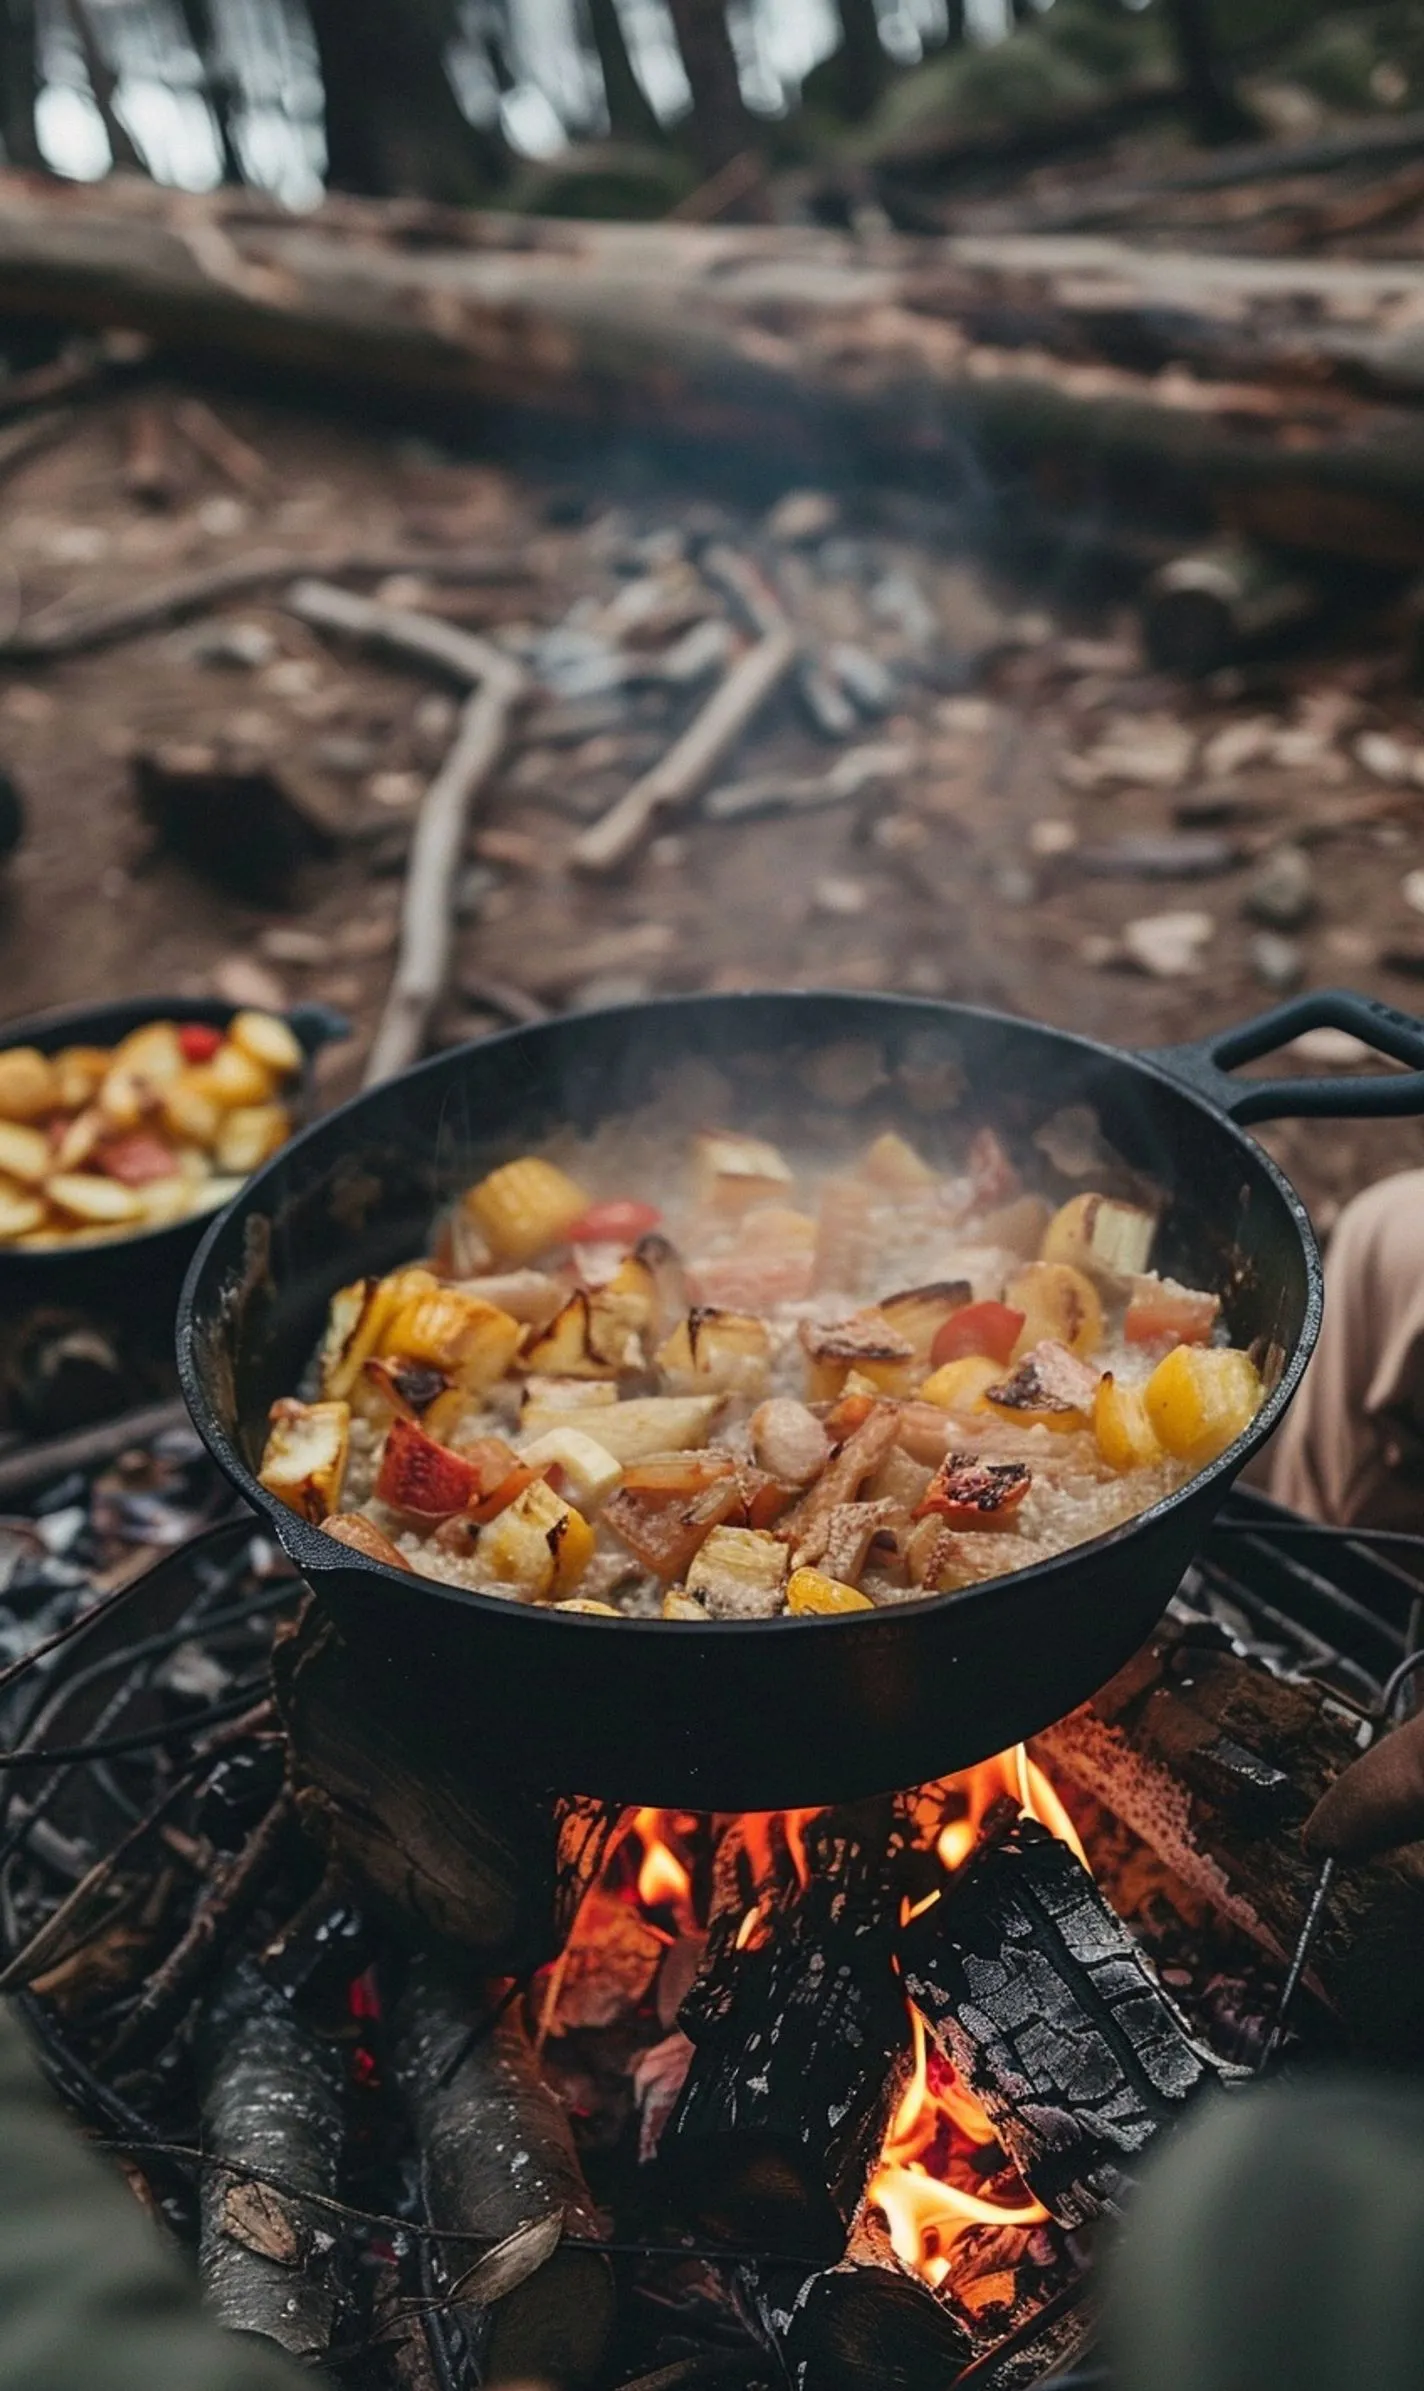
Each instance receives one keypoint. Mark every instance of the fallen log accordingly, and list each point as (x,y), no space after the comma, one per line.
(1216,1764)
(272,2103)
(387,1793)
(860,2328)
(798,2020)
(1052,2018)
(496,2156)
(786,342)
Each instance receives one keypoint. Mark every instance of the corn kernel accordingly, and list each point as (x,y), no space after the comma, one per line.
(525,1206)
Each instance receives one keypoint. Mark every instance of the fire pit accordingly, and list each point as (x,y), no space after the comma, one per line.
(448,2087)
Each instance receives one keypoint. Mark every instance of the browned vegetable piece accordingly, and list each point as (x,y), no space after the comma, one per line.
(850,1531)
(806,1527)
(966,1493)
(667,1533)
(866,1344)
(363,1536)
(1050,1388)
(789,1440)
(920,1312)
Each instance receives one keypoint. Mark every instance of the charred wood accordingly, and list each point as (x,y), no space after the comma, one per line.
(1052,2017)
(386,1790)
(272,2104)
(496,2155)
(1216,1763)
(223,1910)
(798,2022)
(860,2328)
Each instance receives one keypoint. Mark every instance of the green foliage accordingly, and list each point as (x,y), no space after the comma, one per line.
(603,179)
(1339,58)
(1079,51)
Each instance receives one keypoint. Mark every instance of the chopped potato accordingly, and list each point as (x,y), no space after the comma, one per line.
(78,1076)
(538,1543)
(865,1344)
(1200,1398)
(88,1197)
(679,1604)
(28,1084)
(304,1461)
(20,1211)
(740,1573)
(565,1348)
(734,1172)
(24,1153)
(78,1141)
(248,1135)
(525,1206)
(1059,1301)
(566,1394)
(810,1593)
(920,1312)
(1108,1240)
(232,1078)
(588,1466)
(632,1431)
(891,1161)
(189,1111)
(725,1352)
(268,1040)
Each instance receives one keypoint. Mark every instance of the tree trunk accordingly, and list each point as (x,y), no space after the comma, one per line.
(631,115)
(394,128)
(862,65)
(1217,114)
(203,33)
(720,127)
(19,82)
(103,82)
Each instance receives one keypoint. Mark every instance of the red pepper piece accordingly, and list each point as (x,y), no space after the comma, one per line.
(199,1041)
(621,1221)
(966,1493)
(992,1329)
(419,1475)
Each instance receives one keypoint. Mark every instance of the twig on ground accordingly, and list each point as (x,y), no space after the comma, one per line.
(87,1448)
(427,912)
(172,1987)
(689,764)
(221,446)
(25,439)
(860,768)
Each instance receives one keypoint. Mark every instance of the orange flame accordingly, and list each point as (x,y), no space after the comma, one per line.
(662,1879)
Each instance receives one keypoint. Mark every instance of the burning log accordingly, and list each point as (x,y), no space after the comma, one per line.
(1052,2017)
(272,2104)
(860,2328)
(1216,1763)
(496,2156)
(387,1793)
(798,2021)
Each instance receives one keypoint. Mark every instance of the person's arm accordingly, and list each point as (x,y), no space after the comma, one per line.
(90,2300)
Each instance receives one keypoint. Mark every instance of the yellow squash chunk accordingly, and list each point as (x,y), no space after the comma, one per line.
(588,1466)
(1057,1301)
(99,1203)
(249,1134)
(633,1431)
(268,1040)
(24,1153)
(28,1084)
(356,1319)
(725,1352)
(1095,1233)
(959,1386)
(20,1212)
(740,1573)
(733,1172)
(620,1313)
(166,1200)
(525,1206)
(891,1161)
(1125,1435)
(1200,1399)
(304,1461)
(679,1604)
(78,1075)
(471,1341)
(565,1348)
(539,1543)
(809,1593)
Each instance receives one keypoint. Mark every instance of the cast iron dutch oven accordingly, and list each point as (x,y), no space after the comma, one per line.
(769,1713)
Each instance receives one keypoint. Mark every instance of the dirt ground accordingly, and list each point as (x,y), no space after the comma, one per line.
(1048,799)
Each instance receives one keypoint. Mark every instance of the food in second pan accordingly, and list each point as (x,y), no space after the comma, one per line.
(778,1390)
(109,1141)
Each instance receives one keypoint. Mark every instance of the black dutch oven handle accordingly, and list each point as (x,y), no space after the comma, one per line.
(1207,1063)
(316,1025)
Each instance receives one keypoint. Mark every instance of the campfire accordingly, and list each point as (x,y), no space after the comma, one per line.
(448,2083)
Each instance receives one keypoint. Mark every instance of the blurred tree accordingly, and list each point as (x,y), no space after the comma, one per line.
(863,60)
(631,115)
(200,23)
(103,82)
(1217,113)
(720,127)
(19,82)
(394,127)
